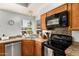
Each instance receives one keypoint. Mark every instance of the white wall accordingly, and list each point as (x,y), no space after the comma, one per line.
(75,35)
(7,29)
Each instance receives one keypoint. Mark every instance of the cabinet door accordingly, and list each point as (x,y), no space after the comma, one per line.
(75,16)
(57,10)
(43,21)
(27,48)
(38,49)
(2,49)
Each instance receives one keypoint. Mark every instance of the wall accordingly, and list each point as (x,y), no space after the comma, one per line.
(75,35)
(7,29)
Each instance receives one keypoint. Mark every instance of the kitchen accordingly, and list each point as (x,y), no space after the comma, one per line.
(25,32)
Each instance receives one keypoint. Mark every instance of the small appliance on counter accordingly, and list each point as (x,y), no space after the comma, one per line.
(4,37)
(58,43)
(46,34)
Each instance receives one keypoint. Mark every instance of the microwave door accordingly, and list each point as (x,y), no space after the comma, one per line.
(53,22)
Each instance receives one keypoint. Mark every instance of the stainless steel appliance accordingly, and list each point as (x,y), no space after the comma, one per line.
(13,49)
(48,51)
(57,20)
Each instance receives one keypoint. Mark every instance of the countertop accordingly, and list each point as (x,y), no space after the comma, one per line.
(14,40)
(10,40)
(40,39)
(21,38)
(73,50)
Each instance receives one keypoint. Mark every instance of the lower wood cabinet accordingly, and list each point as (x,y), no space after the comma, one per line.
(39,51)
(2,49)
(28,47)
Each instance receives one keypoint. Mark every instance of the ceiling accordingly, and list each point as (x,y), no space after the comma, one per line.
(40,8)
(35,9)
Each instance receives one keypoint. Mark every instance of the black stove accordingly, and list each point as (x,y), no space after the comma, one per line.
(59,43)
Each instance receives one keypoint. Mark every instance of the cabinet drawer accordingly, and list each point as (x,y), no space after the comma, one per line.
(26,42)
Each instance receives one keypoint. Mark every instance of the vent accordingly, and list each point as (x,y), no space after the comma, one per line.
(24,4)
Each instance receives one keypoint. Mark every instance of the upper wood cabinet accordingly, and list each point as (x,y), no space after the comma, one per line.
(43,21)
(57,10)
(75,16)
(2,49)
(28,48)
(52,12)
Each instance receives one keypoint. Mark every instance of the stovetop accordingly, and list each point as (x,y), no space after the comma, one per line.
(50,46)
(59,42)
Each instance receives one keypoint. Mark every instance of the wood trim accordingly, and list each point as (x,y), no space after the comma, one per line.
(2,49)
(43,24)
(70,16)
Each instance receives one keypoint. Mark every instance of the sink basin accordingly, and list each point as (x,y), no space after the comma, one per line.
(32,36)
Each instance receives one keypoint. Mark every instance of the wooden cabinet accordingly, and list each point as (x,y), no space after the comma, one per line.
(39,51)
(28,47)
(75,16)
(73,9)
(43,21)
(2,49)
(52,12)
(57,10)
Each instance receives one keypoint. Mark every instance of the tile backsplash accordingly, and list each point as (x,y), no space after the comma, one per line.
(63,30)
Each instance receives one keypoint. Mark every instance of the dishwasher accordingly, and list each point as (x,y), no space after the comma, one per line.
(13,49)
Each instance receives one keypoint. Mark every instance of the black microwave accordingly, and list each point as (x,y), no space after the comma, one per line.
(57,20)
